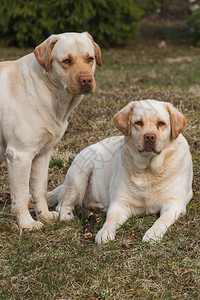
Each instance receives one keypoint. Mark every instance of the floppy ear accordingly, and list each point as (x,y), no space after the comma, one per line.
(122,119)
(97,50)
(178,121)
(43,52)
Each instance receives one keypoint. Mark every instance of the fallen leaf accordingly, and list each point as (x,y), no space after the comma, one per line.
(5,197)
(128,241)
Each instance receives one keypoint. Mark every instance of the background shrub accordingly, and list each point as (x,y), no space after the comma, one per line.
(27,23)
(194,25)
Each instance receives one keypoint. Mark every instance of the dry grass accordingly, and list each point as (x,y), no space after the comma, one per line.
(56,262)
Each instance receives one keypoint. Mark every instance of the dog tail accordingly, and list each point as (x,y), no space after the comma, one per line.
(54,196)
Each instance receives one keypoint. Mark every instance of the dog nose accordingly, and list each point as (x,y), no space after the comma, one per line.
(150,137)
(85,80)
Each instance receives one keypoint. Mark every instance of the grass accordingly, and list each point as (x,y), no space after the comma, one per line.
(57,262)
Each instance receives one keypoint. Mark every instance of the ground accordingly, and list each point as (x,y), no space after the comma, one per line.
(57,262)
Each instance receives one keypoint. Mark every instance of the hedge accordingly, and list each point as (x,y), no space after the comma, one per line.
(28,22)
(194,26)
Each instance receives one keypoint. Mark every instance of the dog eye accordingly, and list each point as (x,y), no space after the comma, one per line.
(139,123)
(67,61)
(160,124)
(90,59)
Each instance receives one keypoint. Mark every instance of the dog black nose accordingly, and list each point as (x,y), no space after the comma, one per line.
(150,137)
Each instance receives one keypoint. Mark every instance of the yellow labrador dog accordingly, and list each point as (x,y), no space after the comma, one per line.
(147,170)
(38,93)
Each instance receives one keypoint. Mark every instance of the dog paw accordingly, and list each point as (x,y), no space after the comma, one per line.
(31,225)
(152,236)
(66,216)
(104,236)
(49,216)
(65,213)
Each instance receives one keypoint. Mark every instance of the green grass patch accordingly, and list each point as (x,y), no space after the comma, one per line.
(57,262)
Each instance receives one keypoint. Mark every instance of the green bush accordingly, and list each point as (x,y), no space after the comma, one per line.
(28,22)
(149,6)
(194,26)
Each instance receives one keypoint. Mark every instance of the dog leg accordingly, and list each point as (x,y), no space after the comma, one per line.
(53,196)
(19,166)
(116,216)
(38,183)
(168,216)
(72,192)
(73,189)
(68,197)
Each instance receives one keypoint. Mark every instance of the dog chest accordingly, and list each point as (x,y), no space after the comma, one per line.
(146,192)
(50,137)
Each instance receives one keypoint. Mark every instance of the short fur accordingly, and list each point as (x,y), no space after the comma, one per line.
(38,92)
(148,170)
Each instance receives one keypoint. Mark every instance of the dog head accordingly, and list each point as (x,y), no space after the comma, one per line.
(151,124)
(69,60)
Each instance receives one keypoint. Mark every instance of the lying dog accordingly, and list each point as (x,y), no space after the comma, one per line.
(148,170)
(38,93)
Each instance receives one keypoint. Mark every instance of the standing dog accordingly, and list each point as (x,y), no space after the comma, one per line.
(38,92)
(148,170)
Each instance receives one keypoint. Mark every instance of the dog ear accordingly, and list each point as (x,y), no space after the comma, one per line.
(43,52)
(122,119)
(96,49)
(177,119)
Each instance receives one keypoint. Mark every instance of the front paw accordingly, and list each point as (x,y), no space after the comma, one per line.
(152,236)
(104,236)
(30,225)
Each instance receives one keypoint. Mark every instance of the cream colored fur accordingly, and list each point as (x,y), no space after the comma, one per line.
(38,92)
(119,175)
